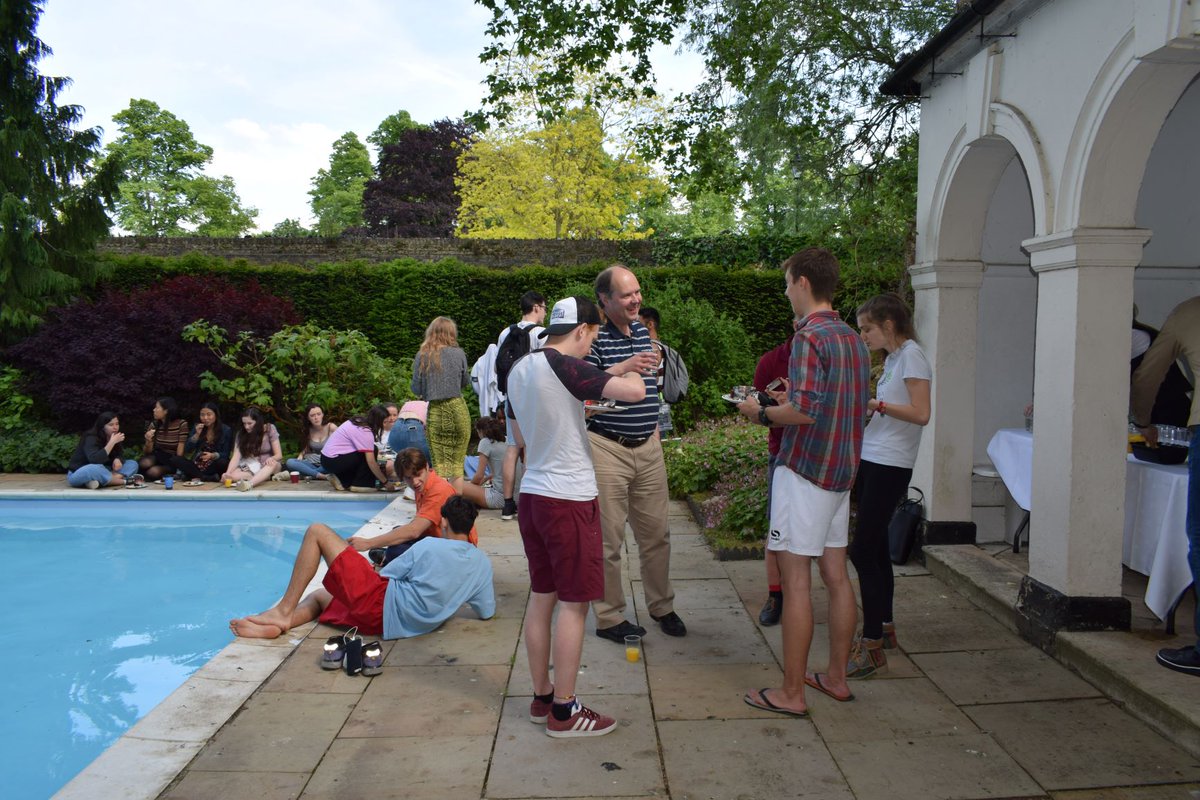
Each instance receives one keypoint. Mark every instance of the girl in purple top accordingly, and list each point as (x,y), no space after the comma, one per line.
(349,453)
(256,455)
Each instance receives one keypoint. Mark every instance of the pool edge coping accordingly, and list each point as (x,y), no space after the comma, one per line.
(140,765)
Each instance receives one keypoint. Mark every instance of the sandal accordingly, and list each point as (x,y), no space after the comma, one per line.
(372,659)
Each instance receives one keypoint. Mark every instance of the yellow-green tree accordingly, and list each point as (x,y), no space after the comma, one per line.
(556,181)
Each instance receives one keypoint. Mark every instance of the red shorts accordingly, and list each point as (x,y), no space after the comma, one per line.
(358,592)
(564,546)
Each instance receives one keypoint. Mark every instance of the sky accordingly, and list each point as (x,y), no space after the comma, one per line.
(270,85)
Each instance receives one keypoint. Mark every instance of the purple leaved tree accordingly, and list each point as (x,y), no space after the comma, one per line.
(414,194)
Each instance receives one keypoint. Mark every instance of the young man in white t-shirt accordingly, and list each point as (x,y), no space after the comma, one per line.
(559,514)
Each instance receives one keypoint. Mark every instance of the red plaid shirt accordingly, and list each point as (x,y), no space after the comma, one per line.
(829,371)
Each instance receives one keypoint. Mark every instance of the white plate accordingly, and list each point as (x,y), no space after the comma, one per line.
(596,409)
(728,398)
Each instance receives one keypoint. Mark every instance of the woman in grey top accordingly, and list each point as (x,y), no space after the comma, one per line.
(439,376)
(316,431)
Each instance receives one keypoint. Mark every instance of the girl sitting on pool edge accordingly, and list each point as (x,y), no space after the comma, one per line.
(97,459)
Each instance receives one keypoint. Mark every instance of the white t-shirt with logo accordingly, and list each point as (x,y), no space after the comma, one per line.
(887,440)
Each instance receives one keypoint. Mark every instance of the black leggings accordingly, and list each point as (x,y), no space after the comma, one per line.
(213,472)
(350,468)
(879,490)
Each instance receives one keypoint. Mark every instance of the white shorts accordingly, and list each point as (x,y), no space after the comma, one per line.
(251,465)
(806,519)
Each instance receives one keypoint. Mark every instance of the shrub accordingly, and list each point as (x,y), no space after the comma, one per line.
(14,404)
(727,459)
(713,345)
(123,350)
(33,447)
(298,365)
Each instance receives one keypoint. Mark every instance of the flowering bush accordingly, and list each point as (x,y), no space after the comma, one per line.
(727,460)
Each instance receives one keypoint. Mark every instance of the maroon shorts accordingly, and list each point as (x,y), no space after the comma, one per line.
(564,546)
(358,592)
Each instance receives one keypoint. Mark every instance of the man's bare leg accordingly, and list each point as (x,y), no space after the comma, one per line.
(537,640)
(796,576)
(254,627)
(320,541)
(568,647)
(843,616)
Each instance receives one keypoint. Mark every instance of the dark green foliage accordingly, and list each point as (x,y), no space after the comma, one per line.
(33,447)
(53,199)
(392,303)
(723,464)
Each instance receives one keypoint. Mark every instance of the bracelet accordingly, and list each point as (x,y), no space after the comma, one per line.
(882,408)
(763,419)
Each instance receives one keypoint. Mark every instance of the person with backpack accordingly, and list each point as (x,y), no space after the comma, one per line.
(508,349)
(672,372)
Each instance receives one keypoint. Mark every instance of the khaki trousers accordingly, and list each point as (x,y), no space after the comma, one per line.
(633,486)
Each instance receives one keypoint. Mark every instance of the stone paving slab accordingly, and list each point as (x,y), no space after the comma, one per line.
(965,766)
(763,758)
(433,768)
(528,763)
(715,636)
(277,733)
(224,785)
(952,629)
(708,691)
(888,710)
(1181,791)
(460,641)
(403,701)
(696,593)
(1001,676)
(1075,744)
(603,668)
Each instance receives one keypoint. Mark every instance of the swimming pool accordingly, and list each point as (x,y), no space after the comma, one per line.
(112,605)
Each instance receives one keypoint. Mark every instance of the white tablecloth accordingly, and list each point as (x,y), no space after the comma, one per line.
(1155,512)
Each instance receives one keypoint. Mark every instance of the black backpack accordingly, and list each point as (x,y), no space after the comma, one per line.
(515,345)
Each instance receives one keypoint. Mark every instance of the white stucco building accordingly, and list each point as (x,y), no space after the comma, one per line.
(1059,184)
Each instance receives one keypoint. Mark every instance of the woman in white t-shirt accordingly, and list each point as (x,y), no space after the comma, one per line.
(900,409)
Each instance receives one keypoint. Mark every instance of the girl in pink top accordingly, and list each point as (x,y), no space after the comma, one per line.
(349,455)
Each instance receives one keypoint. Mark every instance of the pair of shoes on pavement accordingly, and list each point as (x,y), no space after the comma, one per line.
(510,509)
(582,722)
(1183,659)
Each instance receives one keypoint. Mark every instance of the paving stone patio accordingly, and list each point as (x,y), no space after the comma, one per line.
(965,710)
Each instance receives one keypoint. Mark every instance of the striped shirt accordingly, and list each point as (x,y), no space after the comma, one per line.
(829,371)
(611,348)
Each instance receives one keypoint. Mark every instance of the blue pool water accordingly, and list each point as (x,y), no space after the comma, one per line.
(111,605)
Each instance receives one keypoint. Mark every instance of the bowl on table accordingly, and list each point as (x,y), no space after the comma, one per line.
(1163,454)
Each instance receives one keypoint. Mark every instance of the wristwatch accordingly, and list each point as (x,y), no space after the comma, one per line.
(763,419)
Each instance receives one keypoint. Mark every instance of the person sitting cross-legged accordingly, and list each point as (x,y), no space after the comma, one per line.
(412,595)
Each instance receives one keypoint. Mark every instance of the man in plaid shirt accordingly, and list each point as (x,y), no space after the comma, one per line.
(823,410)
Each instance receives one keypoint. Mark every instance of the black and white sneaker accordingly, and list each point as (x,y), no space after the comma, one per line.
(510,509)
(1183,659)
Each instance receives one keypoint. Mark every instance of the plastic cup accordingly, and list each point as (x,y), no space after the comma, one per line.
(633,648)
(295,476)
(229,483)
(169,482)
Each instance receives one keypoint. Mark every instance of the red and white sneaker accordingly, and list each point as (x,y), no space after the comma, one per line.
(582,722)
(539,710)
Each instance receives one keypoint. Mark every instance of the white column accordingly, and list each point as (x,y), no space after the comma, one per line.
(1081,398)
(946,299)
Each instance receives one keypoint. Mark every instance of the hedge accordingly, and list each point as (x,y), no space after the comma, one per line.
(393,302)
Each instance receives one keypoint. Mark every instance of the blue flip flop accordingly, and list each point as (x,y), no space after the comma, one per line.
(764,703)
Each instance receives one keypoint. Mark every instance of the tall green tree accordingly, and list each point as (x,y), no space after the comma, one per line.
(337,193)
(392,129)
(163,191)
(775,70)
(54,200)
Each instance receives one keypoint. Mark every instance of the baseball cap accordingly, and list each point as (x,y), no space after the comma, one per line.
(568,314)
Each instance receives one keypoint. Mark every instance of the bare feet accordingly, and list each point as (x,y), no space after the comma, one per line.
(249,629)
(273,617)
